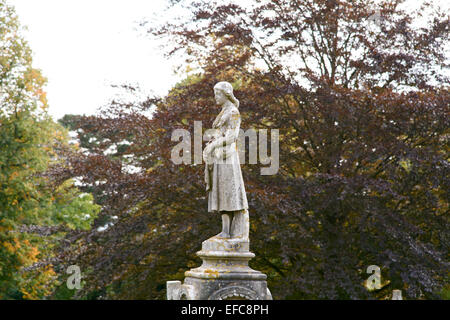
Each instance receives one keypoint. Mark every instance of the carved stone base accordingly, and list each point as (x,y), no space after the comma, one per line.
(224,274)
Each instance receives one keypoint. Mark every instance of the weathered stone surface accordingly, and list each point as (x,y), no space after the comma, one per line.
(223,176)
(224,273)
(225,259)
(212,289)
(226,244)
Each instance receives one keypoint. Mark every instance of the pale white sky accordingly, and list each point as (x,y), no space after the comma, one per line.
(84,46)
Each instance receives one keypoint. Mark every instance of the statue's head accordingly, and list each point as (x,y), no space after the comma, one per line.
(223,91)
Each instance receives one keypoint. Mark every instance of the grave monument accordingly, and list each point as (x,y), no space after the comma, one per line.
(224,273)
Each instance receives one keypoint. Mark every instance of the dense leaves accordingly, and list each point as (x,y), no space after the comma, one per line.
(362,107)
(34,210)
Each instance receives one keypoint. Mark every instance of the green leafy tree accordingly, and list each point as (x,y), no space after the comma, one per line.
(35,211)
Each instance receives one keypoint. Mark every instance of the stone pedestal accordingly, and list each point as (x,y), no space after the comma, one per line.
(224,274)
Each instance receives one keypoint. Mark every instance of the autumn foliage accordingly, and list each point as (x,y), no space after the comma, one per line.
(362,107)
(35,209)
(359,91)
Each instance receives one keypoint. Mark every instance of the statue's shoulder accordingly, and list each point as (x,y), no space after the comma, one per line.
(229,116)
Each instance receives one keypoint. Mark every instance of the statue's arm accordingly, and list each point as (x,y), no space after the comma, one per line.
(232,133)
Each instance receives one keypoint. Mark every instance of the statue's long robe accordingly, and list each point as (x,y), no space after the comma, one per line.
(224,177)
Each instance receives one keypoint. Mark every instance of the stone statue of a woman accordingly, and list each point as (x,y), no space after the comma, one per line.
(223,175)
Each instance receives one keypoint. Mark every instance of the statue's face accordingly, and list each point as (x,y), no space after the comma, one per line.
(220,97)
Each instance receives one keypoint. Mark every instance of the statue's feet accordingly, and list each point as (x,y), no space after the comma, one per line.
(223,235)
